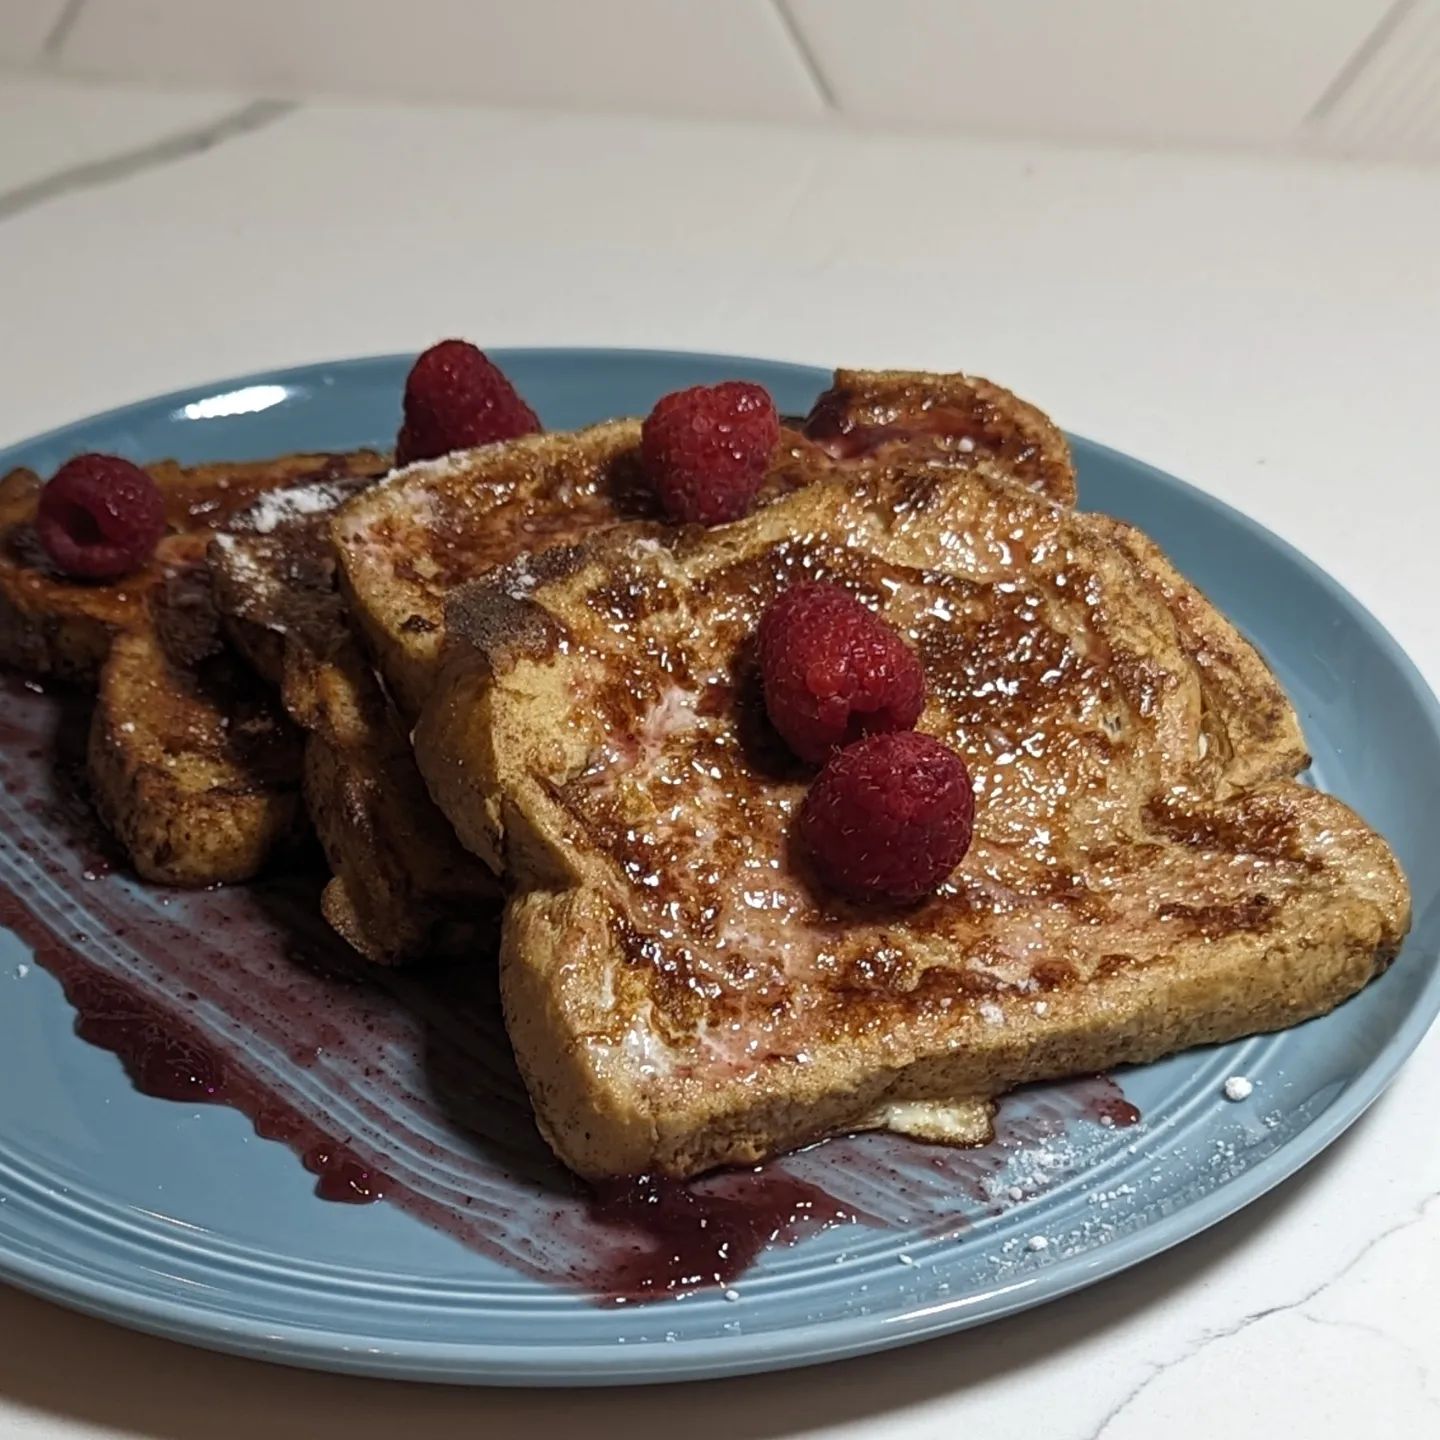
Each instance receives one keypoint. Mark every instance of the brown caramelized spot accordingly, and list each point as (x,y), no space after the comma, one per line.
(963,423)
(990,671)
(499,624)
(627,599)
(1252,828)
(939,982)
(716,699)
(1054,974)
(1215,921)
(1112,964)
(207,496)
(530,508)
(886,969)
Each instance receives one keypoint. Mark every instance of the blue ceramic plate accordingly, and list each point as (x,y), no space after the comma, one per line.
(178,1219)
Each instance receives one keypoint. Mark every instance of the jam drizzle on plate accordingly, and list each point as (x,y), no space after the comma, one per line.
(400,1085)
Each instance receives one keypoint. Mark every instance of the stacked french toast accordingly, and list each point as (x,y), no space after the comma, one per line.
(832,772)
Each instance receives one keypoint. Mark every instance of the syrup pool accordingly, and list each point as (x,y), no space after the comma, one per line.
(400,1086)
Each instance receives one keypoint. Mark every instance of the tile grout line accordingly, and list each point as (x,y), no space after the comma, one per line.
(194,141)
(802,46)
(1354,67)
(60,30)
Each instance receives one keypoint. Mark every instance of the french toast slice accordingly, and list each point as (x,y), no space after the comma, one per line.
(402,886)
(946,419)
(1146,874)
(406,543)
(433,525)
(51,624)
(192,764)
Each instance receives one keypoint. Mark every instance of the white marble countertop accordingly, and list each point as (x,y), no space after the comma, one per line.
(1268,329)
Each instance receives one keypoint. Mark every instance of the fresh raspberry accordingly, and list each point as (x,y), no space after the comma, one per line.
(706,450)
(833,671)
(889,817)
(455,399)
(100,517)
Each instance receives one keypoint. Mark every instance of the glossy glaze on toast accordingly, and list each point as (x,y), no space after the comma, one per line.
(401,886)
(880,415)
(51,624)
(1146,874)
(191,762)
(405,544)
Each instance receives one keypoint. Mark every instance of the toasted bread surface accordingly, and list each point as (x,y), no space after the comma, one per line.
(405,544)
(1146,874)
(402,887)
(192,764)
(951,419)
(53,624)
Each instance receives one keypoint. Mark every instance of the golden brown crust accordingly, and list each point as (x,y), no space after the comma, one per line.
(1235,677)
(194,770)
(51,624)
(1145,876)
(409,541)
(887,415)
(402,886)
(429,529)
(192,764)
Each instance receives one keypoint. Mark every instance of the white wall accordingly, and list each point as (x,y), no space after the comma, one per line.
(1348,76)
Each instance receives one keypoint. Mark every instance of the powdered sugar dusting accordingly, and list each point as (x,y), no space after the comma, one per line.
(442,467)
(519,580)
(284,507)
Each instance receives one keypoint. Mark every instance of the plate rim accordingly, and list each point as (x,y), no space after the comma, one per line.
(491,1363)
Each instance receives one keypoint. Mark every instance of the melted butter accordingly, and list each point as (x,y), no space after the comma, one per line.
(968,1120)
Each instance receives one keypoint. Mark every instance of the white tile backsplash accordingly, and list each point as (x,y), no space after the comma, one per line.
(1390,103)
(688,58)
(25,25)
(1148,70)
(1350,76)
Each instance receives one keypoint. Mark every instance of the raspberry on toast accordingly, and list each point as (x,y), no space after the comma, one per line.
(1146,874)
(407,542)
(52,624)
(192,764)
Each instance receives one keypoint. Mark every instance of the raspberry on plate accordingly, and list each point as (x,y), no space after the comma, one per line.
(455,399)
(833,670)
(889,817)
(706,449)
(100,517)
